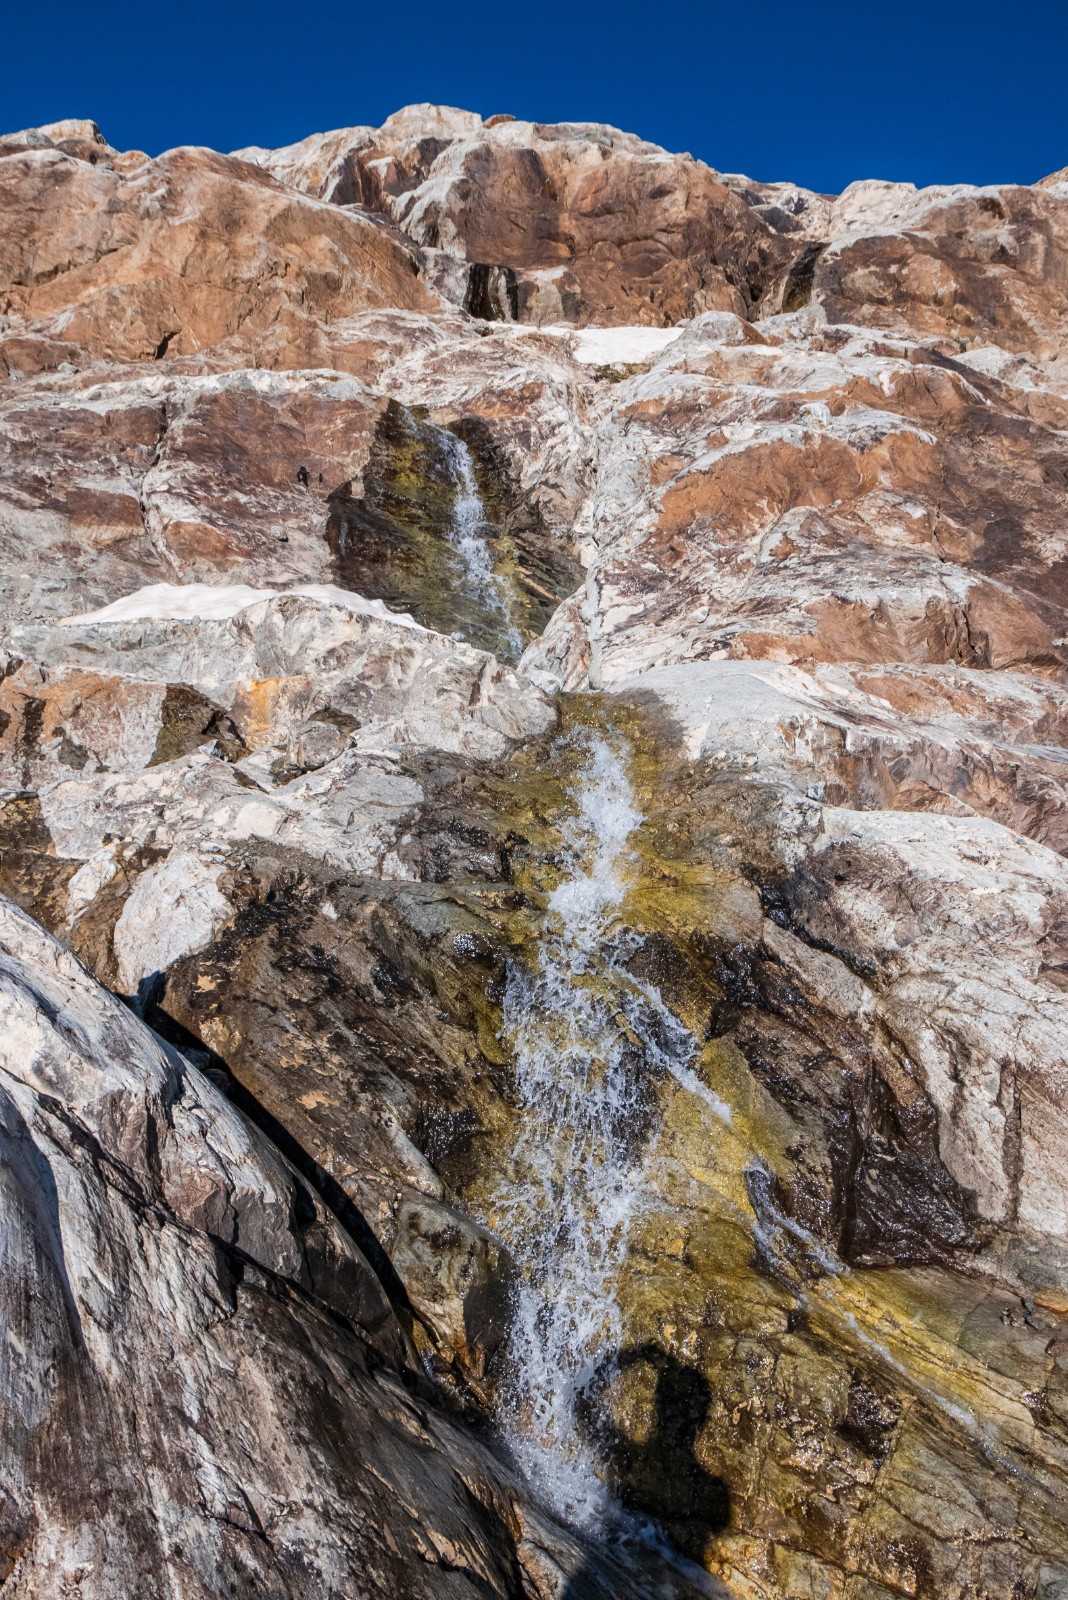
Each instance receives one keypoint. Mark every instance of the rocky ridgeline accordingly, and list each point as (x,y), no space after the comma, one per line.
(483,600)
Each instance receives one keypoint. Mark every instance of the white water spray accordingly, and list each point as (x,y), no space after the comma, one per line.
(589,1041)
(467,536)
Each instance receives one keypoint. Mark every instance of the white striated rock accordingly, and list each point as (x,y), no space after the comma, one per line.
(230,1359)
(174,908)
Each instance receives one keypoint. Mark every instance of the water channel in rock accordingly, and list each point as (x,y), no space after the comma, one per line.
(436,528)
(591,1042)
(467,535)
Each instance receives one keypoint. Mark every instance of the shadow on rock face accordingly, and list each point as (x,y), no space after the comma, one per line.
(652,1409)
(147,1005)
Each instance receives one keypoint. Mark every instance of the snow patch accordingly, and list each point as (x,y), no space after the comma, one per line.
(207,602)
(608,347)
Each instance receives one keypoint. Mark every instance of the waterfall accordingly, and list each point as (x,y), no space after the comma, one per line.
(590,1042)
(467,536)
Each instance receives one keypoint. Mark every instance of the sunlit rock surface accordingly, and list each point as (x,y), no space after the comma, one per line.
(536,670)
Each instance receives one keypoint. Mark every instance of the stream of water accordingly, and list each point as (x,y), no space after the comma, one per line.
(467,535)
(590,1042)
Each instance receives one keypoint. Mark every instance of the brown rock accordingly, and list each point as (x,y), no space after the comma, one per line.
(577,223)
(174,256)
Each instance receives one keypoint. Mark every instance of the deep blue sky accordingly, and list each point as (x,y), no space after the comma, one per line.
(819,92)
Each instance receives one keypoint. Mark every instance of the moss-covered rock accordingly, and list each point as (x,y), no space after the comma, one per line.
(804,1423)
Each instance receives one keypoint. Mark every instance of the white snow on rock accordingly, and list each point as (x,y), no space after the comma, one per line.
(177,602)
(607,347)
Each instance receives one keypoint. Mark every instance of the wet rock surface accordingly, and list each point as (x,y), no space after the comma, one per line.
(403,536)
(431,493)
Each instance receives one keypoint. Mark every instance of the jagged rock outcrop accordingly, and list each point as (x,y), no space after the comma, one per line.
(123,476)
(525,222)
(203,1384)
(349,490)
(176,255)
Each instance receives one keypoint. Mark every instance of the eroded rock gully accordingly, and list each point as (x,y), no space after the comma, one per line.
(533,735)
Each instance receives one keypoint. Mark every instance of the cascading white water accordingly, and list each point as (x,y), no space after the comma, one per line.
(589,1042)
(468,538)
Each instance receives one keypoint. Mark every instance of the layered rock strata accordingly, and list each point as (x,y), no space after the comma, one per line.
(301,449)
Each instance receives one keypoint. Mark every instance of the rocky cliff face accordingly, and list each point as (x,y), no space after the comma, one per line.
(533,737)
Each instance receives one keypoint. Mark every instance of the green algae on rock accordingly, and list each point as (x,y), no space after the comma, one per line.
(768,1404)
